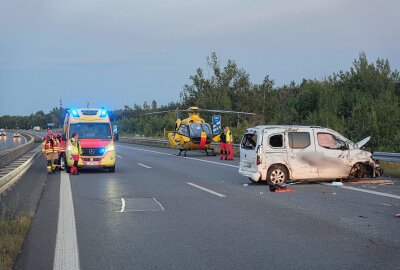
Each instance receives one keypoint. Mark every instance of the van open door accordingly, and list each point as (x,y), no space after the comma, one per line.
(249,155)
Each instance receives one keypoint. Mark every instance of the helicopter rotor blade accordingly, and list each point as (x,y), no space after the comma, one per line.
(201,110)
(226,111)
(160,112)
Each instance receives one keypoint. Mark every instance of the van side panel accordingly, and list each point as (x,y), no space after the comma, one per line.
(301,151)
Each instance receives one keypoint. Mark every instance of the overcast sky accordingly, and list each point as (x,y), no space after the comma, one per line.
(120,52)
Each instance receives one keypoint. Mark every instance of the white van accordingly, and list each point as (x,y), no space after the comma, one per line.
(278,153)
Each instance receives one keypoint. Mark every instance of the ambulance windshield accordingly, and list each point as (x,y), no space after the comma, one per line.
(91,130)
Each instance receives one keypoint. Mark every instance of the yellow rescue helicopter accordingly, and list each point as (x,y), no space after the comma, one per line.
(193,133)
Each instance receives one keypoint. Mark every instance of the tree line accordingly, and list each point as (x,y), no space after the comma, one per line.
(360,102)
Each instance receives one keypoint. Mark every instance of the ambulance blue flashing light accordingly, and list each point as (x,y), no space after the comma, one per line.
(74,113)
(103,113)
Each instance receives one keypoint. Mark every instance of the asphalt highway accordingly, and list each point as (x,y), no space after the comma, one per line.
(9,141)
(159,211)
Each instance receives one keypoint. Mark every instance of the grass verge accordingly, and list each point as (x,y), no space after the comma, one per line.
(391,169)
(12,235)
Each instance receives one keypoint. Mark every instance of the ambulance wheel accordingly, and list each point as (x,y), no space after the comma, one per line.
(111,169)
(277,174)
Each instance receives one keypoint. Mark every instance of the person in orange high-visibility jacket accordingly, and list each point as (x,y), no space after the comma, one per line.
(229,139)
(76,151)
(50,150)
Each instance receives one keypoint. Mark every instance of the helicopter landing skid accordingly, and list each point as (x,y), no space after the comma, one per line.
(180,152)
(212,152)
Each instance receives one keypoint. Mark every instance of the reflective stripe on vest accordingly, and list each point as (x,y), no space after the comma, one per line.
(228,136)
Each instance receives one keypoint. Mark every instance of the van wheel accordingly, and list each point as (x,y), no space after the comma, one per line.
(277,174)
(357,171)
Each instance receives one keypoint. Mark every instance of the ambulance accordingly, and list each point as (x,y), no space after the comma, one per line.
(95,134)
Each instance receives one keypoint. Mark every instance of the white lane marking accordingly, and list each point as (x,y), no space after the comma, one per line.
(172,155)
(66,255)
(118,156)
(140,164)
(123,205)
(206,189)
(369,191)
(373,192)
(162,208)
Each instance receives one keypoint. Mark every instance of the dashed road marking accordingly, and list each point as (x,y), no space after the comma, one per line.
(140,164)
(122,205)
(66,255)
(162,208)
(206,189)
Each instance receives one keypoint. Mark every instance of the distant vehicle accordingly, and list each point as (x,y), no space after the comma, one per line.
(17,135)
(37,128)
(2,132)
(95,133)
(115,132)
(278,153)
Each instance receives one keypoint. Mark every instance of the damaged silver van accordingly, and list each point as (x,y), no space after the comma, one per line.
(278,153)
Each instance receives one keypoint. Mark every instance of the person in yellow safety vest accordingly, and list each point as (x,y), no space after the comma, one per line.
(50,150)
(76,151)
(229,139)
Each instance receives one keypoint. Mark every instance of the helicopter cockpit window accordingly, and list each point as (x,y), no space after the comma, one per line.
(207,129)
(196,129)
(183,130)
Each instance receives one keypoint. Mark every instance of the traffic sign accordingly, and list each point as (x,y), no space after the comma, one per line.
(216,124)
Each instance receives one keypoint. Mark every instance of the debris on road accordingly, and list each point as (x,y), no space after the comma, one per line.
(285,190)
(245,185)
(371,181)
(333,193)
(336,184)
(280,188)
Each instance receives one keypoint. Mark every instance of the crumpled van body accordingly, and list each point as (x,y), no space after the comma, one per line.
(279,153)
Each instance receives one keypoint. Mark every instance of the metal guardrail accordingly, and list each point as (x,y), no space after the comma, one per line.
(9,155)
(144,141)
(154,141)
(386,156)
(9,179)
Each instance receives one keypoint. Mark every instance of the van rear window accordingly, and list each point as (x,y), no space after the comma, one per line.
(249,141)
(299,140)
